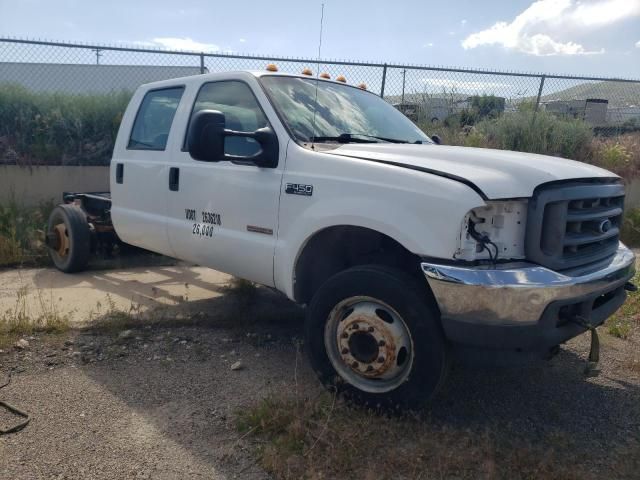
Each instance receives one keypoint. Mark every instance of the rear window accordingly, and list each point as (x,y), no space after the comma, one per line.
(153,121)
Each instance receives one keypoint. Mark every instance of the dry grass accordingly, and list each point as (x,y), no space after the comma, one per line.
(22,234)
(619,154)
(29,315)
(625,320)
(241,287)
(323,438)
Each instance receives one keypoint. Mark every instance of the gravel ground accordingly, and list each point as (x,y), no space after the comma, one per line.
(159,402)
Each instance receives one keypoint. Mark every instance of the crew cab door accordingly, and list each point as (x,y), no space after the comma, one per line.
(140,167)
(225,214)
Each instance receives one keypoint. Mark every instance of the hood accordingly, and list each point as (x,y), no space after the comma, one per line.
(493,173)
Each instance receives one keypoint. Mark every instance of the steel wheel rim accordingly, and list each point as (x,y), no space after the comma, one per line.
(369,344)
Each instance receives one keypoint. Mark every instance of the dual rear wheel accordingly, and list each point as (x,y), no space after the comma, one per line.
(69,238)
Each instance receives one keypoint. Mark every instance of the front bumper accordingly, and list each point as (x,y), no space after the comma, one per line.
(524,306)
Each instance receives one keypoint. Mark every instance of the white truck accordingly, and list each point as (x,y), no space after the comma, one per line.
(402,250)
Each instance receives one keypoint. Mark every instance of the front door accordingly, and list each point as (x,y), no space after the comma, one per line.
(223,214)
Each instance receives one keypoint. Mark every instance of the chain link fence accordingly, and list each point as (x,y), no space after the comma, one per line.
(86,88)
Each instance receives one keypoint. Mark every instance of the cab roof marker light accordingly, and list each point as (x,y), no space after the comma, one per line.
(272,67)
(307,71)
(341,78)
(325,75)
(362,86)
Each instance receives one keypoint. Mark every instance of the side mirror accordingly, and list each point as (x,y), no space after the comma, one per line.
(436,139)
(207,135)
(205,141)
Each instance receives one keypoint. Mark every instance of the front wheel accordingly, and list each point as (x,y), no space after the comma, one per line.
(373,334)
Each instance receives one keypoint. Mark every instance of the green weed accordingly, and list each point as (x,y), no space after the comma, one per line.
(22,231)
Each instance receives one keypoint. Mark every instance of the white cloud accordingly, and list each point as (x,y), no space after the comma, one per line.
(533,30)
(430,44)
(638,44)
(605,12)
(242,40)
(463,21)
(173,43)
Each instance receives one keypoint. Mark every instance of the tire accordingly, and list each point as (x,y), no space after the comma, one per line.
(72,247)
(351,313)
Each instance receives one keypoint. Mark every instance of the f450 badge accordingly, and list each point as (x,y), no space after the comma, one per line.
(299,189)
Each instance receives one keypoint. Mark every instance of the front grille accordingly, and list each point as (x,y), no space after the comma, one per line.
(574,224)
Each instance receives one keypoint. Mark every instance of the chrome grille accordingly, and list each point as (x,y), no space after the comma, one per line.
(574,224)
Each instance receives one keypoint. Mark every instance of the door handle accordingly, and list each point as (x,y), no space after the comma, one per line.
(119,172)
(174,179)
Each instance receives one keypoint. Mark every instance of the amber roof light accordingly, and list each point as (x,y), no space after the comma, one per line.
(362,86)
(272,67)
(307,71)
(340,78)
(325,75)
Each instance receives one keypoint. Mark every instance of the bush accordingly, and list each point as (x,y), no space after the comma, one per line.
(630,234)
(620,155)
(539,132)
(22,234)
(55,129)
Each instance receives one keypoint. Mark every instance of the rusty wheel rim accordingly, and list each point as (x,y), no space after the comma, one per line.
(369,344)
(62,239)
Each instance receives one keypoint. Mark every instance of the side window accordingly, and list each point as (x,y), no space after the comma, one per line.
(241,110)
(153,121)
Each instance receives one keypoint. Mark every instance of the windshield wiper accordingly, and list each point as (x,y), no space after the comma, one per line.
(352,138)
(384,139)
(343,138)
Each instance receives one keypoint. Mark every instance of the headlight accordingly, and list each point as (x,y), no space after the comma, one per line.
(495,230)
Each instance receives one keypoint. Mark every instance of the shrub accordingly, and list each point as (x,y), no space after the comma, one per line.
(620,155)
(22,234)
(630,234)
(53,128)
(539,132)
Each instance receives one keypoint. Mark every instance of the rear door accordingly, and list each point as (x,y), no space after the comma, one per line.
(224,215)
(140,169)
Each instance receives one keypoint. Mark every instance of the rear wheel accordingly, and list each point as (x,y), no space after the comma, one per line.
(69,238)
(374,335)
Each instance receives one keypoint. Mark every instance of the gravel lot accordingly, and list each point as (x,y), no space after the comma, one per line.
(159,402)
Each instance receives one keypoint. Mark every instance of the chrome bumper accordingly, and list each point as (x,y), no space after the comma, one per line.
(518,294)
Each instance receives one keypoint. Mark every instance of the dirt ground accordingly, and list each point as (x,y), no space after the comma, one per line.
(159,401)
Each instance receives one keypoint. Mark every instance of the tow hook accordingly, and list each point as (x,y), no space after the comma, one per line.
(591,368)
(630,287)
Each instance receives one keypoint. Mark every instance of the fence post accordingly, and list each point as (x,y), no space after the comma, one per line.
(201,62)
(540,92)
(384,80)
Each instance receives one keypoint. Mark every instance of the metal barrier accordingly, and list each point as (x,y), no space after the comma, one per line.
(425,94)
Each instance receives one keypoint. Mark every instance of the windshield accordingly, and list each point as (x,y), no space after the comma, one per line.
(344,114)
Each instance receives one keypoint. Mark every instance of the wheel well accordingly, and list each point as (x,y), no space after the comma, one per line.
(337,248)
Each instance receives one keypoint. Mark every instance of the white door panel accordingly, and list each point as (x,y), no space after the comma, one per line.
(138,213)
(225,216)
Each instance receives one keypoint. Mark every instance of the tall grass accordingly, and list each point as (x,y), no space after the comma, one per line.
(22,234)
(39,128)
(525,131)
(539,132)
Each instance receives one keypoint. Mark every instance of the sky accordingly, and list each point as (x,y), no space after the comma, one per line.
(589,37)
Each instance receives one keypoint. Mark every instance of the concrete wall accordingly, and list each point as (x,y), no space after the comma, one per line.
(30,186)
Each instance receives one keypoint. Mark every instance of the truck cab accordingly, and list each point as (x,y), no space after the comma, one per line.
(402,249)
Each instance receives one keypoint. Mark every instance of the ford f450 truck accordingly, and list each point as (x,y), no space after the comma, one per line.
(402,249)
